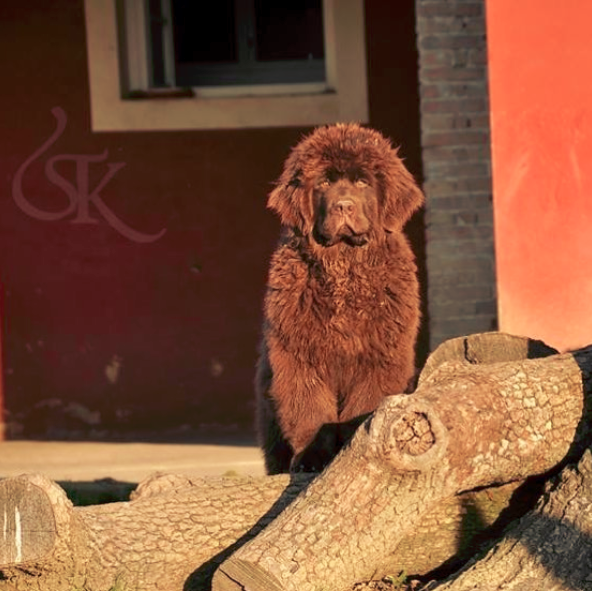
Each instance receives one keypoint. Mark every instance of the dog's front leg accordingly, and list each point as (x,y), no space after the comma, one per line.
(307,415)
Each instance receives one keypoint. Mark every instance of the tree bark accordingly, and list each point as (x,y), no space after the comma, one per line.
(171,536)
(549,549)
(175,532)
(389,502)
(466,426)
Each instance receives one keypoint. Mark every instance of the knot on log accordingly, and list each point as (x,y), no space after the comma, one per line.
(413,434)
(407,432)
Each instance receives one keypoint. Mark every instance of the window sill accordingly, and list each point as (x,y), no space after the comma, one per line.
(182,113)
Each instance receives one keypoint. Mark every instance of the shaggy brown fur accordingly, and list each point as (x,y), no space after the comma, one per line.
(342,308)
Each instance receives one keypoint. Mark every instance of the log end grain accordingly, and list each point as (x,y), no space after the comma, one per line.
(28,530)
(240,575)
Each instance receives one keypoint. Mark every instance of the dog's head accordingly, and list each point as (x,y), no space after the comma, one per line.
(344,183)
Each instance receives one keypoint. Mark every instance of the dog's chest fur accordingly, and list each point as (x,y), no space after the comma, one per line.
(344,296)
(342,303)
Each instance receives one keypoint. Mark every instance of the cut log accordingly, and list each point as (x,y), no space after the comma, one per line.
(485,348)
(549,549)
(466,426)
(97,543)
(171,536)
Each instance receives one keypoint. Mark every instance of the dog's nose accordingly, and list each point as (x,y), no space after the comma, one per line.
(344,206)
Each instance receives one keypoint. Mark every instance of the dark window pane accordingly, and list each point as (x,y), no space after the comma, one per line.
(204,34)
(156,37)
(289,29)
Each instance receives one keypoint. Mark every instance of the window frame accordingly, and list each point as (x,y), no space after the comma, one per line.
(342,97)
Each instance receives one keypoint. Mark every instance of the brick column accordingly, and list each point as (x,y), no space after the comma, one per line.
(456,165)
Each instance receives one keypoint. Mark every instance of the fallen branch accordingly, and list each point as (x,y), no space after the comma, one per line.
(466,426)
(549,549)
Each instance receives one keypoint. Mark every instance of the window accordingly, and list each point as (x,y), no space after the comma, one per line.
(244,42)
(159,64)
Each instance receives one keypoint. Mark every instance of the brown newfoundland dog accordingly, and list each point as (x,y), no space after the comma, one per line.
(341,310)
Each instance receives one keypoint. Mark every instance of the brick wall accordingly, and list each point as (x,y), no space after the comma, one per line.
(456,166)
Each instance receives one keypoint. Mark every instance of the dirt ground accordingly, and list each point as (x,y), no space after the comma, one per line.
(400,583)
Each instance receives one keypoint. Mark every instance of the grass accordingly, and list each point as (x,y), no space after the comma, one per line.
(118,585)
(398,581)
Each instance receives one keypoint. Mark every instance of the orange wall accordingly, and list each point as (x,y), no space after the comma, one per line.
(159,334)
(540,60)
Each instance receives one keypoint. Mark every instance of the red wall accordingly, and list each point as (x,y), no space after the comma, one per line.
(2,423)
(540,59)
(149,335)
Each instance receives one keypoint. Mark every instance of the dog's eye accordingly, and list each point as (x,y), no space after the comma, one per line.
(362,183)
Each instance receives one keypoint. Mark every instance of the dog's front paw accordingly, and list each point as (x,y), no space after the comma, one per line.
(319,453)
(310,460)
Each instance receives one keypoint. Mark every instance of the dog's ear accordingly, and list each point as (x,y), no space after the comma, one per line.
(283,201)
(291,200)
(402,197)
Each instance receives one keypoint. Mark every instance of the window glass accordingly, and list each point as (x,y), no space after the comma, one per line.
(204,36)
(289,30)
(246,42)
